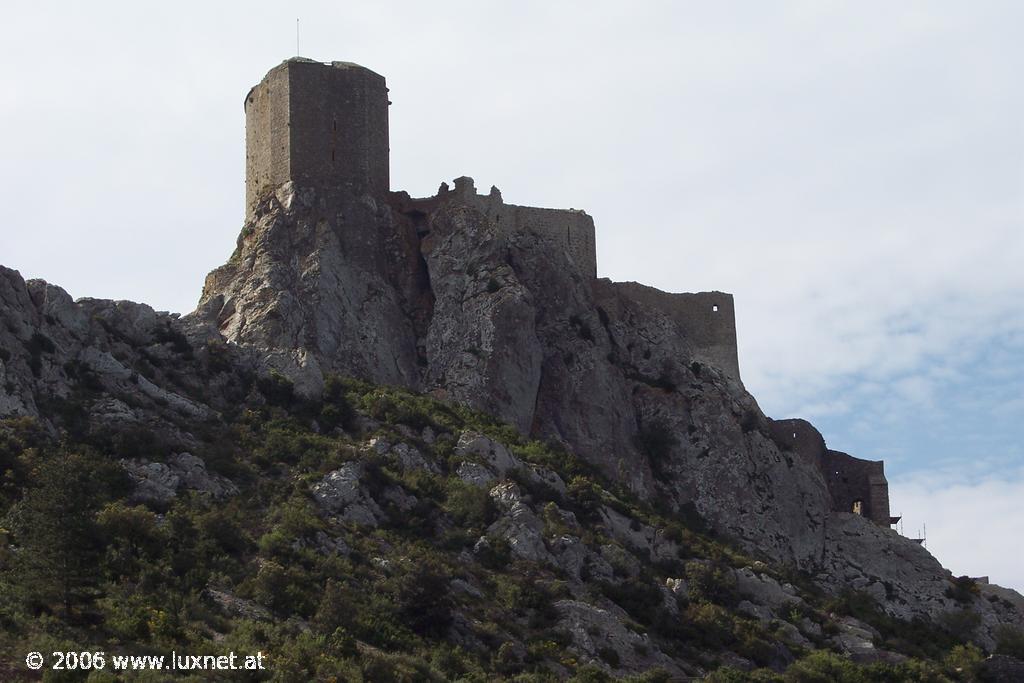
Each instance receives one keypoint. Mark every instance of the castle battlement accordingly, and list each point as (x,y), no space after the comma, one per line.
(568,229)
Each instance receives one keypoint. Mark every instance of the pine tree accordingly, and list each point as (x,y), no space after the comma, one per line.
(55,533)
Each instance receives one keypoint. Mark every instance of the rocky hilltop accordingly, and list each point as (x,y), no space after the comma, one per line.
(497,309)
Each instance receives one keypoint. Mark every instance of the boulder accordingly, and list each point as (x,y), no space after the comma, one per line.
(341,494)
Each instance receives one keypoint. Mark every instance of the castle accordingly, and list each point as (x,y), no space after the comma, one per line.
(325,126)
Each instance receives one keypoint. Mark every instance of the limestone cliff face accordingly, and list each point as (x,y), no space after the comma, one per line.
(308,288)
(109,366)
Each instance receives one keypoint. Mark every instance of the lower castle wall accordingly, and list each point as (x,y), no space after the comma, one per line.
(848,478)
(851,479)
(708,319)
(573,230)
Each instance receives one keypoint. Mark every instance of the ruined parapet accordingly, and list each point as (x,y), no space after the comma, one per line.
(707,319)
(317,125)
(802,439)
(569,229)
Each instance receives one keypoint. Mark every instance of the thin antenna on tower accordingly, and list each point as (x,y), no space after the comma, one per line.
(298,52)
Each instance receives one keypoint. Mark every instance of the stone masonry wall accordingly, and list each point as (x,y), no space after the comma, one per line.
(318,125)
(339,127)
(708,319)
(267,148)
(569,229)
(851,479)
(801,438)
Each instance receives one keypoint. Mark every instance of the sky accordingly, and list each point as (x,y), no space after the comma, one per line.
(853,172)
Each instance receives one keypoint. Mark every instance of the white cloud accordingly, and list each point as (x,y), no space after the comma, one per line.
(973,517)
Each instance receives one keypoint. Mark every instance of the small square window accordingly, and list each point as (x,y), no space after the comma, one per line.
(714,308)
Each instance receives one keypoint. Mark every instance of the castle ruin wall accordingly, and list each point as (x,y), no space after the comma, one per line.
(849,479)
(852,480)
(570,230)
(802,439)
(706,319)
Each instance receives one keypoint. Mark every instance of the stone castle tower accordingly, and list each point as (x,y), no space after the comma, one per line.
(317,125)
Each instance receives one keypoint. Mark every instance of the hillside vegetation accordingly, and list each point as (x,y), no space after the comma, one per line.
(382,535)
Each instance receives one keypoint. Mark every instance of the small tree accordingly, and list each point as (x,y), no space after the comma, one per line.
(130,534)
(54,530)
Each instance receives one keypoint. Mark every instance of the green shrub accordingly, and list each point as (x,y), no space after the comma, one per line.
(1010,641)
(711,582)
(823,667)
(337,410)
(640,597)
(963,590)
(277,389)
(131,536)
(729,675)
(590,673)
(286,590)
(585,497)
(127,615)
(963,662)
(709,624)
(961,624)
(656,675)
(470,506)
(420,590)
